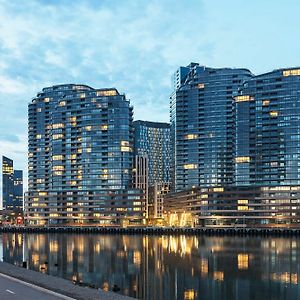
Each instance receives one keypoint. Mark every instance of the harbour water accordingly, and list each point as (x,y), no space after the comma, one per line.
(165,267)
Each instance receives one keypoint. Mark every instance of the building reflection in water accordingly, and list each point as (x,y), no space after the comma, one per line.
(165,267)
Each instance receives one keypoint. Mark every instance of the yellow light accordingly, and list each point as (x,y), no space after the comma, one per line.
(243,207)
(190,166)
(58,168)
(189,295)
(58,125)
(242,159)
(62,103)
(273,113)
(107,93)
(191,136)
(201,85)
(57,136)
(243,201)
(218,189)
(218,275)
(243,98)
(104,127)
(295,72)
(266,102)
(243,261)
(126,149)
(57,157)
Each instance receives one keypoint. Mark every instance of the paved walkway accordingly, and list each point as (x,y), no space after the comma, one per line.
(51,283)
(15,289)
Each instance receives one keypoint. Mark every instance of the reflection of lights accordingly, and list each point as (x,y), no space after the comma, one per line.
(218,275)
(53,245)
(285,277)
(137,257)
(189,295)
(105,286)
(204,266)
(243,261)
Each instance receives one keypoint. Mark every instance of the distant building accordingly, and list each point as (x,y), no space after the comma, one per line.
(12,186)
(81,158)
(7,182)
(18,189)
(152,152)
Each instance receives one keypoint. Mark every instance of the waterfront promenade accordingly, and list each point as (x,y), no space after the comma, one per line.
(218,231)
(20,283)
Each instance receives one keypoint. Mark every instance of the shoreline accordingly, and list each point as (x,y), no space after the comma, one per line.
(57,285)
(229,231)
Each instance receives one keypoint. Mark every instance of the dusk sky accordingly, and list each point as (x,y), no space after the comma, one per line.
(134,46)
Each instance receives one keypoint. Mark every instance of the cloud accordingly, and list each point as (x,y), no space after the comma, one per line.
(132,45)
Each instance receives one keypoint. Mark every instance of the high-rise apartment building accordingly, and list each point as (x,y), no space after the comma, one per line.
(267,151)
(263,122)
(80,144)
(202,125)
(153,140)
(12,185)
(7,182)
(152,152)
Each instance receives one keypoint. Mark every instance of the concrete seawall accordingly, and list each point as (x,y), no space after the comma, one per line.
(160,231)
(58,285)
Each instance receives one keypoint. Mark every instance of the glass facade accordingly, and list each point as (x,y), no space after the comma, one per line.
(202,125)
(267,148)
(153,140)
(12,185)
(79,139)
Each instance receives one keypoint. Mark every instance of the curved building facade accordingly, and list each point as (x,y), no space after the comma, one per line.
(80,142)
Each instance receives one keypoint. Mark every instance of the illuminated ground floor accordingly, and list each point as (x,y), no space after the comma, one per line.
(238,206)
(114,207)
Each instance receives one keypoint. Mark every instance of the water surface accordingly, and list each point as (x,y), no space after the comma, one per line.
(165,267)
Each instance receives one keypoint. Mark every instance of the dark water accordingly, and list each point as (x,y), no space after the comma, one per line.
(167,267)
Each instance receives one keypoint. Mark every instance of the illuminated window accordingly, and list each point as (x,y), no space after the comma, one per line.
(126,149)
(190,166)
(58,168)
(38,136)
(266,102)
(243,207)
(57,157)
(243,98)
(242,159)
(57,136)
(104,127)
(62,103)
(88,150)
(242,201)
(273,113)
(107,93)
(218,189)
(295,72)
(201,85)
(88,128)
(191,136)
(82,95)
(72,119)
(46,99)
(124,143)
(43,193)
(58,126)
